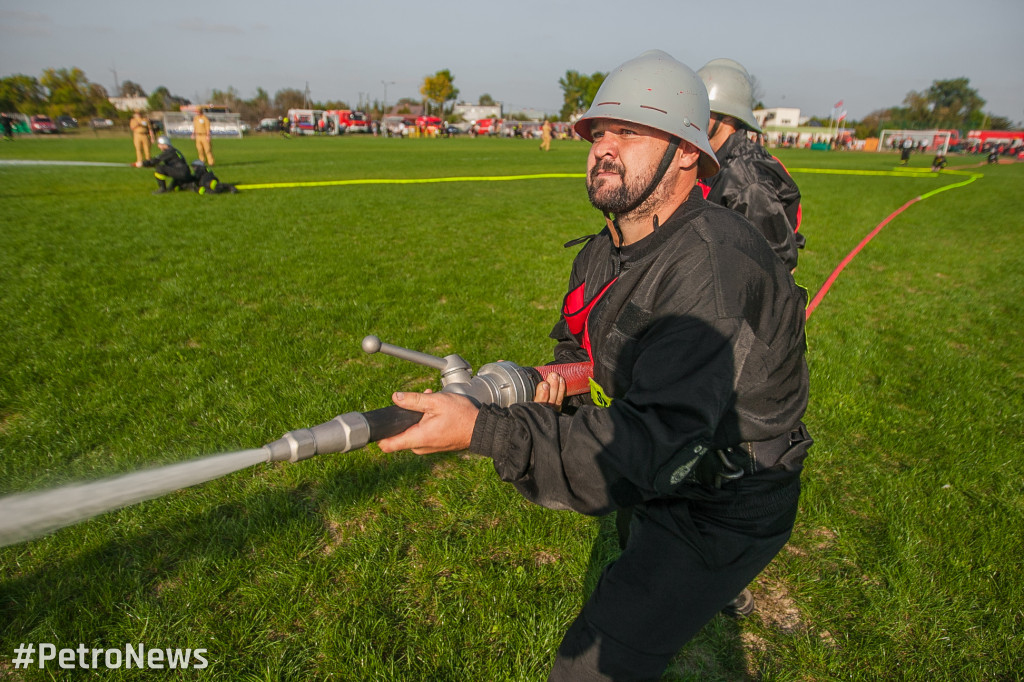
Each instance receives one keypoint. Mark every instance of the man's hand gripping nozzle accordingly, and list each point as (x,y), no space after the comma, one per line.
(500,383)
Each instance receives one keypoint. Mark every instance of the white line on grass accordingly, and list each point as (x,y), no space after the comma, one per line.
(32,162)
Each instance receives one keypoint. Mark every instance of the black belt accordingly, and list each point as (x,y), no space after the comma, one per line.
(737,461)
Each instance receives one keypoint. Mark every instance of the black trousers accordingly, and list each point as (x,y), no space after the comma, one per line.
(685,559)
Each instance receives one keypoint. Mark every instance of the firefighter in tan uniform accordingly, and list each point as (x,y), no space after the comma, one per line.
(201,134)
(545,136)
(142,136)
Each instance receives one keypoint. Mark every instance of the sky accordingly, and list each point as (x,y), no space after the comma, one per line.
(867,54)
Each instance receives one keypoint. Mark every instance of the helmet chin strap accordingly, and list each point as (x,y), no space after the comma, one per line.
(659,175)
(716,124)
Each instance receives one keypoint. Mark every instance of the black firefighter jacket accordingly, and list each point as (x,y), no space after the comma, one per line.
(698,341)
(754,183)
(171,163)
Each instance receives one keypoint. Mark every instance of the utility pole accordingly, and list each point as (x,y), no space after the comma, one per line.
(386,84)
(117,85)
(305,97)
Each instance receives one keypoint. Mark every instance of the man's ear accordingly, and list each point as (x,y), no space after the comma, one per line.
(687,156)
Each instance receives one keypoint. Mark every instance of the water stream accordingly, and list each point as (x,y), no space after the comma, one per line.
(24,516)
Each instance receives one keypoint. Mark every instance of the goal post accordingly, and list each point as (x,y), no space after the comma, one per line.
(932,140)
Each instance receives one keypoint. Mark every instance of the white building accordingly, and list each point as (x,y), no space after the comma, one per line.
(474,112)
(779,116)
(785,127)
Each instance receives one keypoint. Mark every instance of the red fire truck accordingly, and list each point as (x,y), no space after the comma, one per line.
(1008,138)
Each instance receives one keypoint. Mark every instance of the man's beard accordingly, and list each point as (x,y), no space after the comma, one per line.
(620,200)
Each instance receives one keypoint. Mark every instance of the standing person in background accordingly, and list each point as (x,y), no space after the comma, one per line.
(202,135)
(752,181)
(545,136)
(908,146)
(142,136)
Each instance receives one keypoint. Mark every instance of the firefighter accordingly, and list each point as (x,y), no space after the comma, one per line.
(171,167)
(696,332)
(202,135)
(751,181)
(142,135)
(205,182)
(545,136)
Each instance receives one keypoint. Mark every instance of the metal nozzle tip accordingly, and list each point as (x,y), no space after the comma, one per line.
(371,344)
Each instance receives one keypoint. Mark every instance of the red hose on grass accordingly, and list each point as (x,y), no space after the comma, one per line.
(849,257)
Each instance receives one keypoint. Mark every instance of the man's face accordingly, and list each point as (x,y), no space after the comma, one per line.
(622,162)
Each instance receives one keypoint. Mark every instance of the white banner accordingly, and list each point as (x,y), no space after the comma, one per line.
(179,124)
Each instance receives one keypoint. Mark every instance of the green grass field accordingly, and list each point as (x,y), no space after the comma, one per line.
(139,330)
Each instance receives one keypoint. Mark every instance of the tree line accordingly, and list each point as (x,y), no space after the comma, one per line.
(946,104)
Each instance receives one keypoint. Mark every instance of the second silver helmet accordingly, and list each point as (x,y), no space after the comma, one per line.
(729,91)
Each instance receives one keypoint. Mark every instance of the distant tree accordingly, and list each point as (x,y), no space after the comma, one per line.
(335,104)
(99,102)
(405,105)
(375,109)
(918,109)
(946,104)
(289,98)
(163,100)
(756,93)
(578,91)
(258,107)
(131,89)
(997,123)
(871,125)
(486,100)
(954,103)
(226,98)
(67,91)
(439,89)
(22,94)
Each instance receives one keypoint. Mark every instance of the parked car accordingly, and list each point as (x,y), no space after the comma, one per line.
(67,122)
(101,123)
(42,125)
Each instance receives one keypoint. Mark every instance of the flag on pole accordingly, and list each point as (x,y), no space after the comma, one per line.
(839,104)
(842,114)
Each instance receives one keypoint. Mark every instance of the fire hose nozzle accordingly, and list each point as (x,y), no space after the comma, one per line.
(498,383)
(349,431)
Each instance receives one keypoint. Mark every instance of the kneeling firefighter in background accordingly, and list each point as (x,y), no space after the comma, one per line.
(170,166)
(205,182)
